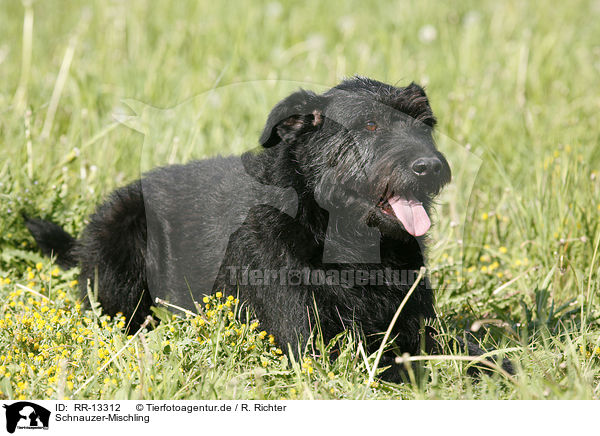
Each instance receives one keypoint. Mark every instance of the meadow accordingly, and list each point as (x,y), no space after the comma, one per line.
(514,250)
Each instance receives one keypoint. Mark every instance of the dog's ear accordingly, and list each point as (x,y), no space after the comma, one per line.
(293,116)
(416,104)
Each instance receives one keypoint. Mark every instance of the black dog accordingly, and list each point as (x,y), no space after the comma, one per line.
(353,171)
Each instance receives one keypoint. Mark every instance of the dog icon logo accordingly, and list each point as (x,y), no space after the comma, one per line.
(26,415)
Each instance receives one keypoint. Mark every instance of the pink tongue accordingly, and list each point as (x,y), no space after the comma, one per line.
(411,214)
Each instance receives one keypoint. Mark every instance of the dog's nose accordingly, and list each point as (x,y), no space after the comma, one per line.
(427,166)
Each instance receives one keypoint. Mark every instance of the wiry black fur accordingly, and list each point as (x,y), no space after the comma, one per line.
(315,144)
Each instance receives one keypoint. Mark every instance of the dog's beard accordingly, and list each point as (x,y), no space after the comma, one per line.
(357,196)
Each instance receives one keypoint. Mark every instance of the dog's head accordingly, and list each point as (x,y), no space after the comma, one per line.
(365,146)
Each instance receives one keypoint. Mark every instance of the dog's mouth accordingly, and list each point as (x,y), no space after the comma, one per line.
(408,210)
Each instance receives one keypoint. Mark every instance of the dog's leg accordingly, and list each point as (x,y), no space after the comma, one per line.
(432,347)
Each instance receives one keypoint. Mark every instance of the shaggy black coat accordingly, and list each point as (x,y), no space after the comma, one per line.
(314,197)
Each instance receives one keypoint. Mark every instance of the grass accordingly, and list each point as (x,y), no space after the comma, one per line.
(515,248)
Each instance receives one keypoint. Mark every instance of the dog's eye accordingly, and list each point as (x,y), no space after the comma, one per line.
(371,126)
